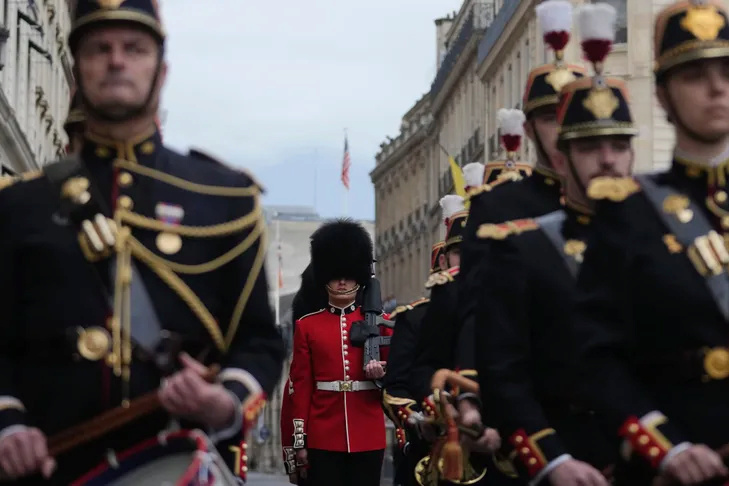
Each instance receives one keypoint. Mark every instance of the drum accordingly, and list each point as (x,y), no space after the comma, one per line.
(183,458)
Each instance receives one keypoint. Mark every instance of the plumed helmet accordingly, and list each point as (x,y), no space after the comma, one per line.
(341,249)
(310,296)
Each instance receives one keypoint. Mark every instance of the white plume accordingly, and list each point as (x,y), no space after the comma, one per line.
(597,21)
(451,204)
(473,174)
(555,16)
(511,121)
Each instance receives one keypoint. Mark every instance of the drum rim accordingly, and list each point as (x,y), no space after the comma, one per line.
(195,437)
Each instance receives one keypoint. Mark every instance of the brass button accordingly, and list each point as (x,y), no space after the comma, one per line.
(102,152)
(125,202)
(549,182)
(125,179)
(147,147)
(532,461)
(725,222)
(721,197)
(643,440)
(654,451)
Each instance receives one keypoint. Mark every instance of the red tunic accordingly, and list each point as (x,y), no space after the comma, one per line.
(333,420)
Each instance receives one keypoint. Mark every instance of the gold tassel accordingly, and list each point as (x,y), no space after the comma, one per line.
(452,454)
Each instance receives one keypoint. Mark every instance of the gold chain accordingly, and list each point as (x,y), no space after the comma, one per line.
(249,191)
(248,287)
(200,268)
(187,295)
(223,229)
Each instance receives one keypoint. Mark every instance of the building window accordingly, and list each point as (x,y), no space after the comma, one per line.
(621,23)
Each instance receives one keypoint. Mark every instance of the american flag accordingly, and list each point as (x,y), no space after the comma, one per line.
(346,163)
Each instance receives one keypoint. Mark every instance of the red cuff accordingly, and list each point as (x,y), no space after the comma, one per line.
(649,442)
(528,451)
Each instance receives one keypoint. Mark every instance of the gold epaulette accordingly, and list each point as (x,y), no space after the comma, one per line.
(502,230)
(399,310)
(507,176)
(7,181)
(477,191)
(439,278)
(615,189)
(404,308)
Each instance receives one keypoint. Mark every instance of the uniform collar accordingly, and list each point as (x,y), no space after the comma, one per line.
(338,310)
(139,149)
(709,173)
(577,213)
(547,176)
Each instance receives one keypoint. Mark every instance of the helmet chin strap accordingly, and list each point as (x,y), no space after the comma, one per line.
(575,175)
(131,115)
(542,155)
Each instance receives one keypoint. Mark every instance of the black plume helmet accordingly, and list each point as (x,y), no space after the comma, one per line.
(341,249)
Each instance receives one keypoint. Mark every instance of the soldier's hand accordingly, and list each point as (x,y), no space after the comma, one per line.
(694,465)
(302,462)
(576,473)
(24,453)
(374,370)
(187,394)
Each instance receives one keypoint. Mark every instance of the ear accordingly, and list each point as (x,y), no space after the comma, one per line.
(559,162)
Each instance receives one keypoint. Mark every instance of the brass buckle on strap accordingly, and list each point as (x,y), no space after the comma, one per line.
(346,386)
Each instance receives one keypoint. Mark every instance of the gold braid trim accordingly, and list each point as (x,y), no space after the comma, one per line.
(223,229)
(248,287)
(185,293)
(187,185)
(199,268)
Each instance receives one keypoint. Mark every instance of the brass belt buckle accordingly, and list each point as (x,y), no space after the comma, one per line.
(345,386)
(716,363)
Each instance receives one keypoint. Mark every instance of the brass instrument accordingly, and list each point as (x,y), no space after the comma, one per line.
(447,460)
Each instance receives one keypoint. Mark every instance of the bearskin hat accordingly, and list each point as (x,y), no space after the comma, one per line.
(341,249)
(310,296)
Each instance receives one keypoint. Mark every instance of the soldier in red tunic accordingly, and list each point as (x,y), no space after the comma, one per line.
(339,426)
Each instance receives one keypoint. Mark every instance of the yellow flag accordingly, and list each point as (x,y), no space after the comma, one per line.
(459,183)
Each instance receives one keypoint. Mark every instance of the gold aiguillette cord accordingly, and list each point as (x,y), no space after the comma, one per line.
(121,322)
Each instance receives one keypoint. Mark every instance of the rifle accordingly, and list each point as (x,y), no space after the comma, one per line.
(366,333)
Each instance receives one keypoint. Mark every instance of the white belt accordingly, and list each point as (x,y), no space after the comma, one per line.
(345,386)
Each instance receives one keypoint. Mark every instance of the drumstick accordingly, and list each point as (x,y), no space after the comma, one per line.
(111,420)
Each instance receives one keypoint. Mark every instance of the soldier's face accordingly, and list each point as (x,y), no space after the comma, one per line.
(342,284)
(543,123)
(697,94)
(117,67)
(454,257)
(600,156)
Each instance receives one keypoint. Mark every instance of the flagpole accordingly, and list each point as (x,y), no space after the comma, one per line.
(346,189)
(316,176)
(278,274)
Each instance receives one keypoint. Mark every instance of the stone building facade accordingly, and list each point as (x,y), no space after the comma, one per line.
(484,53)
(35,79)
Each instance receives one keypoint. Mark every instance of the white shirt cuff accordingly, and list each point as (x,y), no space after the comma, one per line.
(675,450)
(236,427)
(549,468)
(13,429)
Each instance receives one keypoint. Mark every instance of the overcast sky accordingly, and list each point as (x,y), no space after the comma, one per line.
(271,86)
